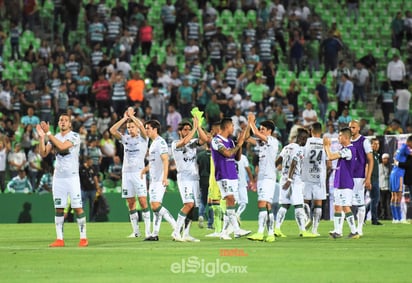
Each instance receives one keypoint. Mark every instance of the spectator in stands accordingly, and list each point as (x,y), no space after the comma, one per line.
(402,99)
(20,183)
(396,72)
(17,160)
(14,41)
(397,28)
(353,8)
(28,137)
(321,93)
(309,115)
(345,93)
(360,78)
(292,94)
(146,37)
(46,180)
(101,90)
(186,98)
(34,166)
(108,148)
(329,51)
(4,150)
(89,185)
(157,102)
(394,128)
(168,16)
(386,99)
(296,47)
(344,119)
(173,117)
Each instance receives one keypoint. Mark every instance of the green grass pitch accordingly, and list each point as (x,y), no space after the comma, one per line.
(382,255)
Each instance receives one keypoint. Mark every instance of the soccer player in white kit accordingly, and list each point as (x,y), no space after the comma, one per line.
(267,146)
(158,168)
(314,174)
(244,172)
(135,144)
(184,154)
(291,184)
(66,180)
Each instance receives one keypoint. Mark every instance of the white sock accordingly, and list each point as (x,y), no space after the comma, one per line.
(59,222)
(361,217)
(187,229)
(271,223)
(262,220)
(233,220)
(156,223)
(146,219)
(240,209)
(180,222)
(336,223)
(226,224)
(351,222)
(134,220)
(300,218)
(169,218)
(317,214)
(280,217)
(81,222)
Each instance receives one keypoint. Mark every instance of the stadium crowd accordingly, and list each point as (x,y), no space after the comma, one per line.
(96,59)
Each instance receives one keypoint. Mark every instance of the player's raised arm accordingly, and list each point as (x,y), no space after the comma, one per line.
(114,130)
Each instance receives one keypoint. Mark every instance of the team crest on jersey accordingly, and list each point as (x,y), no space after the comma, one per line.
(57,201)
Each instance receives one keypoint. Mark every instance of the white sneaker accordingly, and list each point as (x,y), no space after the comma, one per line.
(360,232)
(405,222)
(177,237)
(213,235)
(134,235)
(201,220)
(224,236)
(242,233)
(189,238)
(395,221)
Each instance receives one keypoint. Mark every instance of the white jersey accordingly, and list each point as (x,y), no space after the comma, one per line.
(135,149)
(268,152)
(289,153)
(3,159)
(185,159)
(67,162)
(314,161)
(157,148)
(241,166)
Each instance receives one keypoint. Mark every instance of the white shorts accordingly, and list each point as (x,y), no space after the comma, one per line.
(358,197)
(189,191)
(64,188)
(228,187)
(314,191)
(343,197)
(133,185)
(156,192)
(266,190)
(242,195)
(293,195)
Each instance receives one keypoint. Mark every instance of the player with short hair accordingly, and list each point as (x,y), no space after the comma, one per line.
(361,179)
(396,180)
(158,168)
(268,146)
(224,153)
(291,184)
(184,154)
(135,143)
(66,180)
(314,174)
(343,183)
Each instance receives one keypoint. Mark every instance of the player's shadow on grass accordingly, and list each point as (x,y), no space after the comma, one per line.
(25,216)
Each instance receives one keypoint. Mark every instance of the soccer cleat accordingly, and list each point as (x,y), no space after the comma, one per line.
(225,236)
(270,238)
(256,237)
(306,234)
(335,235)
(316,234)
(57,244)
(279,234)
(189,238)
(134,235)
(394,221)
(242,233)
(377,223)
(404,221)
(210,228)
(177,237)
(152,238)
(353,236)
(201,221)
(83,243)
(213,235)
